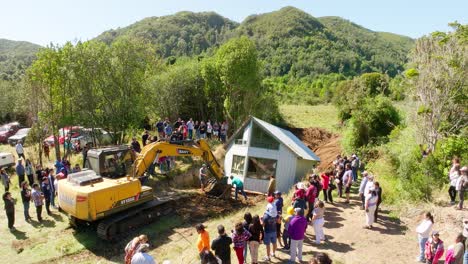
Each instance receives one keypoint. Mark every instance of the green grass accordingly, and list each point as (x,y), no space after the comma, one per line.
(324,116)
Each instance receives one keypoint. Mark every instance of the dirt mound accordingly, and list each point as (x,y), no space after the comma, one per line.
(190,210)
(325,144)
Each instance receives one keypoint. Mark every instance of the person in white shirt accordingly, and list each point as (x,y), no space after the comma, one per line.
(141,257)
(462,186)
(364,180)
(190,128)
(370,206)
(453,177)
(424,229)
(347,181)
(20,150)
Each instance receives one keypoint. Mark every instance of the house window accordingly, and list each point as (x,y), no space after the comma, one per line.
(262,169)
(238,163)
(261,139)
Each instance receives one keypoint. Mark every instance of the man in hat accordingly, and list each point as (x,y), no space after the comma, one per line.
(269,224)
(297,228)
(202,176)
(354,166)
(142,257)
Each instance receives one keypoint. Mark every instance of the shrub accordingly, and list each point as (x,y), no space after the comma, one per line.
(371,124)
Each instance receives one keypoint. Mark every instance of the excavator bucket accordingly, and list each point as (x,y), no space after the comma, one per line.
(218,188)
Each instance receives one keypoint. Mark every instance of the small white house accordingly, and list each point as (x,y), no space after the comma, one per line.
(259,149)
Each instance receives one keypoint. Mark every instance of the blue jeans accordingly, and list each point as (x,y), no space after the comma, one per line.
(240,189)
(465,257)
(422,244)
(354,170)
(26,210)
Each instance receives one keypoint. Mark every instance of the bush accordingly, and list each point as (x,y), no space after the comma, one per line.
(371,124)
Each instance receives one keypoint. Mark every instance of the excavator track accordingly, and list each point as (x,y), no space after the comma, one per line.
(121,223)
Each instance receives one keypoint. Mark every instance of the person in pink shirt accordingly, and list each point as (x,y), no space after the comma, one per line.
(434,249)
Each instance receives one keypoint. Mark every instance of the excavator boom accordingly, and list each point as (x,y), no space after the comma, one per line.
(200,148)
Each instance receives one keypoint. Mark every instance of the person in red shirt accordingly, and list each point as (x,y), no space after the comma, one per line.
(310,195)
(325,184)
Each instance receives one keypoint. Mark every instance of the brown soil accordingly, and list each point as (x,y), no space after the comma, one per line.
(325,144)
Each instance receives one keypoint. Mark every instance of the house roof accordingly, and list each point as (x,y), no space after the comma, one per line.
(284,136)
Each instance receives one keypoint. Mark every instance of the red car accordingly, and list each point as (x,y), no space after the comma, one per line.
(8,130)
(63,133)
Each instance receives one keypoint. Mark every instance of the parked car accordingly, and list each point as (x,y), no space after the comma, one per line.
(6,160)
(86,137)
(20,135)
(8,130)
(63,132)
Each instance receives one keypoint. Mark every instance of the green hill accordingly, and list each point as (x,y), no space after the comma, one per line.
(15,57)
(290,41)
(182,34)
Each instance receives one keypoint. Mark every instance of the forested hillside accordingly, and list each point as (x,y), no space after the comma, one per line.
(289,41)
(15,58)
(182,34)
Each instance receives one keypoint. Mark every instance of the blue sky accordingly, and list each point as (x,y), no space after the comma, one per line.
(58,21)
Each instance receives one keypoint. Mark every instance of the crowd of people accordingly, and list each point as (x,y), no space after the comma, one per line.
(189,129)
(37,186)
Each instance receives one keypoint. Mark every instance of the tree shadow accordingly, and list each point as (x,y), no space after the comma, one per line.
(19,235)
(390,226)
(329,244)
(57,217)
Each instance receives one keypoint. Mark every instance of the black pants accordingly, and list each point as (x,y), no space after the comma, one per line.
(31,179)
(363,200)
(330,196)
(340,190)
(311,210)
(20,180)
(39,212)
(21,156)
(376,213)
(47,205)
(326,195)
(452,193)
(286,239)
(11,219)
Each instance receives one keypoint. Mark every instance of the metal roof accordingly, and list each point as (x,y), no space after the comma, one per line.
(288,139)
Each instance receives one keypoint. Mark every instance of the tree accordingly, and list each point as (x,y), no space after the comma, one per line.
(439,83)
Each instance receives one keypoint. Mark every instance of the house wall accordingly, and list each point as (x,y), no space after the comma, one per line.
(285,166)
(303,167)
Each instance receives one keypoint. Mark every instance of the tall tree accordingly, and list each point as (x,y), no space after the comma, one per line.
(440,84)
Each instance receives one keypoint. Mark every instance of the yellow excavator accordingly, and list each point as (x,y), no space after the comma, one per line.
(109,191)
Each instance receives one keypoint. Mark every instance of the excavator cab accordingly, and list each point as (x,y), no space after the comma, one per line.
(111,162)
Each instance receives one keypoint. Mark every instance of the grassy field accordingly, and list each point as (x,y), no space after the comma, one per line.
(302,116)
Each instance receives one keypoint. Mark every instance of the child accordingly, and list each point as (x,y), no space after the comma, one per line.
(10,209)
(287,219)
(46,191)
(239,238)
(434,249)
(37,198)
(279,208)
(318,222)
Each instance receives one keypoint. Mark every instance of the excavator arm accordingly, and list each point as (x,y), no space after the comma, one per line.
(151,152)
